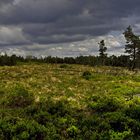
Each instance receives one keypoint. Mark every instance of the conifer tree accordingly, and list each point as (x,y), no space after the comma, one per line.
(102,50)
(132,46)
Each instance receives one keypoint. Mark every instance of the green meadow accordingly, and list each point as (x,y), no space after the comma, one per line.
(69,102)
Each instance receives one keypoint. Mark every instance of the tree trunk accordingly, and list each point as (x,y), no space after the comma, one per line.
(134,59)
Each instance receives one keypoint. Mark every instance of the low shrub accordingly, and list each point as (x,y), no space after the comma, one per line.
(64,66)
(105,104)
(42,117)
(22,130)
(59,108)
(86,75)
(117,120)
(125,135)
(19,97)
(133,111)
(72,131)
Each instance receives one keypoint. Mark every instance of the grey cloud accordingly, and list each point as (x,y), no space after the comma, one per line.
(12,35)
(40,11)
(57,22)
(3,2)
(94,18)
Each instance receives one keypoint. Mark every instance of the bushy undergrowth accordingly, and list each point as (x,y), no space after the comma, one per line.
(87,75)
(64,66)
(19,97)
(105,104)
(52,103)
(107,119)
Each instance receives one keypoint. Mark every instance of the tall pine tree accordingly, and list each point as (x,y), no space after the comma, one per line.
(132,46)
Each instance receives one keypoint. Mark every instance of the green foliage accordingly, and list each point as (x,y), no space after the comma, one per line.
(133,111)
(22,129)
(40,102)
(117,121)
(2,92)
(126,135)
(105,104)
(19,97)
(64,66)
(72,131)
(103,59)
(132,46)
(8,60)
(102,50)
(43,124)
(87,75)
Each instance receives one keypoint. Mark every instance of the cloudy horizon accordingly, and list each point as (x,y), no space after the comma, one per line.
(65,27)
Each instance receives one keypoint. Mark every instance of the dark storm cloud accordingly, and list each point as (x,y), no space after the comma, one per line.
(91,17)
(59,21)
(40,11)
(2,2)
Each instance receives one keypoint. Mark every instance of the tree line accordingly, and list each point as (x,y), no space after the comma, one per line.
(130,60)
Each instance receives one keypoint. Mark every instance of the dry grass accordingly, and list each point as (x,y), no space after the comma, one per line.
(50,80)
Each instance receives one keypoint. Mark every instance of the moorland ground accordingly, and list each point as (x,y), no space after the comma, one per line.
(60,101)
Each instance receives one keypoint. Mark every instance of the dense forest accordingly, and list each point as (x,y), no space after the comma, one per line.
(113,60)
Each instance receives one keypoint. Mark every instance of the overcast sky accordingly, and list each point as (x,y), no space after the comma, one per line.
(65,27)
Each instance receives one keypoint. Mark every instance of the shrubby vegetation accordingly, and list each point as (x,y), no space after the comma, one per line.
(19,97)
(103,118)
(44,101)
(87,75)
